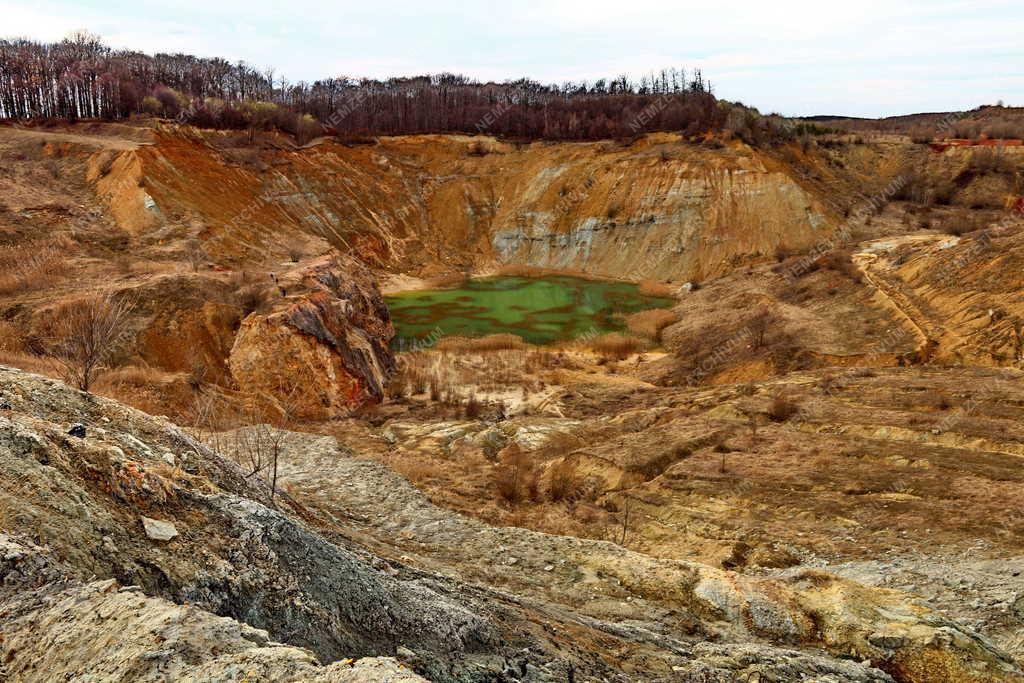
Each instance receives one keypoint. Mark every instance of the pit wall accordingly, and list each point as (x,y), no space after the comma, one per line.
(658,208)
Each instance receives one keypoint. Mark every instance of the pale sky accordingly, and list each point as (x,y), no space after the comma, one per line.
(860,58)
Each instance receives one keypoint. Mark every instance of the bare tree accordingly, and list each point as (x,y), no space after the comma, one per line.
(760,325)
(258,447)
(87,334)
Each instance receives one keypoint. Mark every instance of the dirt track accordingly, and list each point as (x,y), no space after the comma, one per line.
(100,141)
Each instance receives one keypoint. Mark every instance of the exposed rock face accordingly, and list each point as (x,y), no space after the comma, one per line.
(677,221)
(56,628)
(323,350)
(233,554)
(659,208)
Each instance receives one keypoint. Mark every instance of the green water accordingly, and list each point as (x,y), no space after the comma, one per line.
(540,310)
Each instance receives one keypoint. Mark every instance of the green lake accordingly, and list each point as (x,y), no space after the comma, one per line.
(540,310)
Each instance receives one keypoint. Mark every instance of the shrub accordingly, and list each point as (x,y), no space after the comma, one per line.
(760,325)
(172,102)
(252,299)
(87,333)
(515,477)
(840,261)
(913,189)
(781,408)
(152,106)
(962,222)
(197,376)
(306,129)
(563,483)
(989,160)
(473,408)
(944,194)
(296,250)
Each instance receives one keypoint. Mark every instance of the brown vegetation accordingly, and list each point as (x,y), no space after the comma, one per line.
(28,267)
(650,323)
(86,336)
(782,408)
(486,344)
(211,93)
(615,346)
(656,288)
(515,478)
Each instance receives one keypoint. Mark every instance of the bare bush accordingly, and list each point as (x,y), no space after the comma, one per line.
(296,251)
(760,325)
(515,477)
(473,407)
(87,334)
(252,299)
(782,408)
(563,483)
(840,261)
(258,447)
(989,160)
(195,255)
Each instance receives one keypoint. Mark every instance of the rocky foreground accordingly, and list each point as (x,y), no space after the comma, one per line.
(135,552)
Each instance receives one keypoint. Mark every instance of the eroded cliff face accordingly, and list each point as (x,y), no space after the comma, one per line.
(657,208)
(323,349)
(646,217)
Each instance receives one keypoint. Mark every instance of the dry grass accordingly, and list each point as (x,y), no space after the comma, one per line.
(416,471)
(961,222)
(655,288)
(616,346)
(134,376)
(492,342)
(29,267)
(27,362)
(650,323)
(12,340)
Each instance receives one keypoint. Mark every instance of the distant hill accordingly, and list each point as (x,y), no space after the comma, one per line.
(990,121)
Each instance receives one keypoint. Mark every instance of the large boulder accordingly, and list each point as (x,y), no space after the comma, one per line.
(323,350)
